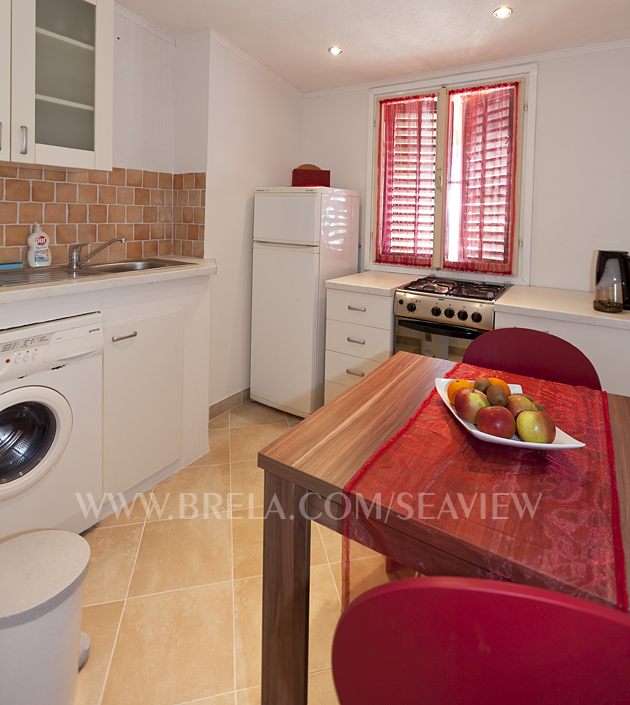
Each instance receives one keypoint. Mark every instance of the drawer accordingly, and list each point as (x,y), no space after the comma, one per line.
(358,341)
(338,364)
(332,390)
(365,309)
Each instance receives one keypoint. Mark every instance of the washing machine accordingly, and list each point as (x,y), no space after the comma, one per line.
(51,424)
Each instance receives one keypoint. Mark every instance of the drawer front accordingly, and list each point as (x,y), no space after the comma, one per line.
(347,369)
(365,309)
(358,341)
(332,390)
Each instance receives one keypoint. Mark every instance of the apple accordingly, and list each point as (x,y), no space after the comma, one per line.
(517,403)
(468,402)
(535,427)
(497,421)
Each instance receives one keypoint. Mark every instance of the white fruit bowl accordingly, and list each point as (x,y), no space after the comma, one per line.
(562,440)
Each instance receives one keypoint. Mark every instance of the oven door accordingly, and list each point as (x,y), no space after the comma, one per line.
(433,339)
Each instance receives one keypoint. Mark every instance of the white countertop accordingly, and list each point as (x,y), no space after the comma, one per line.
(558,304)
(196,268)
(371,282)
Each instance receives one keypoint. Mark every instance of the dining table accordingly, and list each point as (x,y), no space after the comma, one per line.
(305,473)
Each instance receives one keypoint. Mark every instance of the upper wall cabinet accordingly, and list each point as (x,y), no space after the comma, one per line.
(61,76)
(5,79)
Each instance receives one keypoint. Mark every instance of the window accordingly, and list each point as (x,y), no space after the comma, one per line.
(447,177)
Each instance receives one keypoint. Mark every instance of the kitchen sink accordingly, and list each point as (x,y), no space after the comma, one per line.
(47,275)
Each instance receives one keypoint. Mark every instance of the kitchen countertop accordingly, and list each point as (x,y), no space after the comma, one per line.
(196,268)
(371,282)
(558,304)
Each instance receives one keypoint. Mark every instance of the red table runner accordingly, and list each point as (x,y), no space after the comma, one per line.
(546,518)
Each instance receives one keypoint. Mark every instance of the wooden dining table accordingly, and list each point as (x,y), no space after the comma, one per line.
(306,471)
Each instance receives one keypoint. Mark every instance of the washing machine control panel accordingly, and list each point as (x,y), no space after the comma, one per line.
(24,355)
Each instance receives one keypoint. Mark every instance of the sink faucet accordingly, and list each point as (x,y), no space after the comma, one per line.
(74,254)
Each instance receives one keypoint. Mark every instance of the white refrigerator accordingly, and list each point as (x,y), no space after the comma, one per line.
(302,237)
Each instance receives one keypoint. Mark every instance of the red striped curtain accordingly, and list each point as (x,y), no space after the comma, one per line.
(481,179)
(406,176)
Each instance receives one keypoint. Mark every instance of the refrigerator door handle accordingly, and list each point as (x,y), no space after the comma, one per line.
(287,246)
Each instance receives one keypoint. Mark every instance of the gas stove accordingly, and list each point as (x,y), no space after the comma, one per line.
(449,301)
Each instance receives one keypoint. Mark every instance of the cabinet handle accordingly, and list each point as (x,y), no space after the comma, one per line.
(358,341)
(355,374)
(362,309)
(24,142)
(120,338)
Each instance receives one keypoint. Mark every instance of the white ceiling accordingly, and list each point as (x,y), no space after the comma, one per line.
(383,39)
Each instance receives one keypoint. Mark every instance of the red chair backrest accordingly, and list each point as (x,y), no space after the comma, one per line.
(532,353)
(460,641)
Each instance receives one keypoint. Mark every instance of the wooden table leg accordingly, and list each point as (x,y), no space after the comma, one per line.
(286,578)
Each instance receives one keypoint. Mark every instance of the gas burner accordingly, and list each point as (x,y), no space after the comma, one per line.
(453,287)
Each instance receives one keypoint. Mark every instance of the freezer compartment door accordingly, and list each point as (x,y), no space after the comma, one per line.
(288,218)
(284,369)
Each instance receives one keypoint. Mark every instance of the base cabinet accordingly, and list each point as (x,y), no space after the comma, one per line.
(143,367)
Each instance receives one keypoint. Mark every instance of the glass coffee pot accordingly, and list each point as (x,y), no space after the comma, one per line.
(611,281)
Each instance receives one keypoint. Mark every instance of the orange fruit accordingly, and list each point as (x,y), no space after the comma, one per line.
(501,383)
(455,385)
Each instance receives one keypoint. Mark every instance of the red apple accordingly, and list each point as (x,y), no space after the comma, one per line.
(536,427)
(517,403)
(468,402)
(497,421)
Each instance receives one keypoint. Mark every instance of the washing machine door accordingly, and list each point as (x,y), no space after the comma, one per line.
(35,427)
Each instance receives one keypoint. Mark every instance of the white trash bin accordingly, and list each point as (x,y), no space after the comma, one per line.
(41,583)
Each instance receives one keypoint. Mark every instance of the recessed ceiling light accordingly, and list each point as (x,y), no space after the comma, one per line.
(503,12)
(335,51)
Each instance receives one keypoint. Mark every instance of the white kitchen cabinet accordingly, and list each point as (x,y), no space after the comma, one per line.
(5,80)
(607,347)
(143,368)
(359,337)
(61,77)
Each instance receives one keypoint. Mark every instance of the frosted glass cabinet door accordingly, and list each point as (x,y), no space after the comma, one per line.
(62,82)
(5,79)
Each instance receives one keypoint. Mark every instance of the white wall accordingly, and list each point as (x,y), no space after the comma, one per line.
(582,158)
(143,97)
(253,141)
(192,67)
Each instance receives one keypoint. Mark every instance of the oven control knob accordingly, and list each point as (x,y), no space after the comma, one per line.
(477,317)
(462,315)
(411,307)
(449,313)
(401,302)
(436,311)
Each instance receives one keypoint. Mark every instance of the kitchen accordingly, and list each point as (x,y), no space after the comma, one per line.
(201,122)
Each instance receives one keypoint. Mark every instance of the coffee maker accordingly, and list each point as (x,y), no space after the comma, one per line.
(612,281)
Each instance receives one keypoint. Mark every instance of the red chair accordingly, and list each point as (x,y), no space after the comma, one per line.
(532,353)
(460,641)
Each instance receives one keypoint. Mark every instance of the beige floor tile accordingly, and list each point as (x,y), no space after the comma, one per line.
(252,413)
(245,442)
(218,448)
(132,512)
(248,484)
(222,421)
(251,696)
(198,490)
(101,623)
(182,553)
(247,533)
(365,574)
(226,699)
(333,543)
(321,689)
(173,648)
(325,610)
(248,631)
(294,420)
(113,554)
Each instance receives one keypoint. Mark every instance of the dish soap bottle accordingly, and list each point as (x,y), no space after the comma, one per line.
(38,248)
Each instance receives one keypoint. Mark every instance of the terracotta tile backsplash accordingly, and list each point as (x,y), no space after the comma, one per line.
(158,212)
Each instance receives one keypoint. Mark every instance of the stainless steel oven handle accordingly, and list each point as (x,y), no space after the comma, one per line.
(358,341)
(355,374)
(361,309)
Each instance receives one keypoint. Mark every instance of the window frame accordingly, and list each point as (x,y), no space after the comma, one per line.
(527,75)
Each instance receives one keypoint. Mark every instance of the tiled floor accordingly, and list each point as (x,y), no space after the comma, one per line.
(173,601)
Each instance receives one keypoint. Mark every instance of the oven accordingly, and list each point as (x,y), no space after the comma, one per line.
(433,339)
